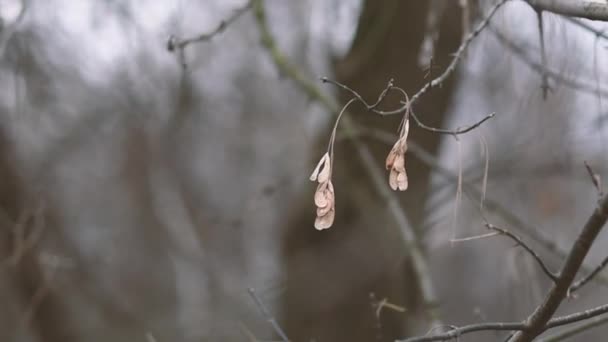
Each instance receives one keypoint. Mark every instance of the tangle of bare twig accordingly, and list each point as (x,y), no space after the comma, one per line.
(175,44)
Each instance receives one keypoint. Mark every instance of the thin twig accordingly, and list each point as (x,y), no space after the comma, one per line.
(595,179)
(373,108)
(458,197)
(575,317)
(150,337)
(376,308)
(429,70)
(250,336)
(598,95)
(580,283)
(484,183)
(369,106)
(459,53)
(511,326)
(457,332)
(529,249)
(590,9)
(543,313)
(176,44)
(476,237)
(572,331)
(543,54)
(269,318)
(457,131)
(587,27)
(523,55)
(466,18)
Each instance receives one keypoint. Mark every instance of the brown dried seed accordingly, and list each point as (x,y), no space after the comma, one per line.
(322,172)
(325,221)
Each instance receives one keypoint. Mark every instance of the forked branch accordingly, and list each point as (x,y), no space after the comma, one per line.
(537,321)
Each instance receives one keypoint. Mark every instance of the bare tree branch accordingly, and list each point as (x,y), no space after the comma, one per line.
(372,107)
(572,331)
(595,179)
(456,131)
(589,9)
(543,55)
(452,66)
(575,317)
(457,332)
(269,317)
(543,313)
(459,53)
(587,27)
(522,54)
(529,249)
(512,326)
(178,44)
(577,285)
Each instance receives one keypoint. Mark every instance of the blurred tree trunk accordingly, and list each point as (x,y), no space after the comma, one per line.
(28,312)
(332,273)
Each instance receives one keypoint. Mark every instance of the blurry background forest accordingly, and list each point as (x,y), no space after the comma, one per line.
(140,198)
